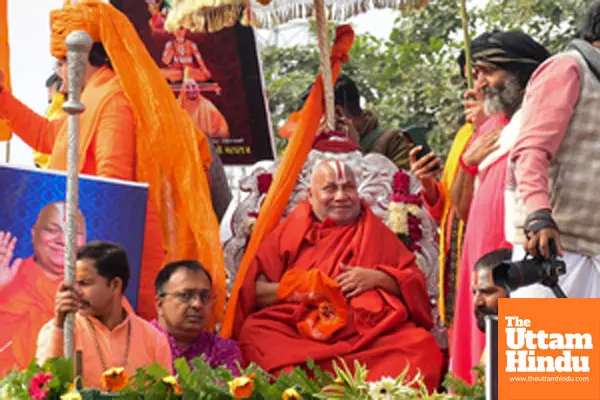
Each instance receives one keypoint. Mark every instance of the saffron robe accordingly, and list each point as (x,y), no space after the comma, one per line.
(26,304)
(385,332)
(107,148)
(146,346)
(207,117)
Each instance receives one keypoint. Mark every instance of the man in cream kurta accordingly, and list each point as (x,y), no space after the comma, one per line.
(108,333)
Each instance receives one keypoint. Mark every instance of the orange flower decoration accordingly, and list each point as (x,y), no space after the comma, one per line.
(114,379)
(241,388)
(291,394)
(172,384)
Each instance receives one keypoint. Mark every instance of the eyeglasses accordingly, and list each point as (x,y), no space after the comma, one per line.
(188,296)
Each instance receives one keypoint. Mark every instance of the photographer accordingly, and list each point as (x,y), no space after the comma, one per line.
(553,174)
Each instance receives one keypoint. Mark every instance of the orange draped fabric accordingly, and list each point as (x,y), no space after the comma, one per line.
(316,290)
(291,164)
(5,133)
(26,304)
(384,331)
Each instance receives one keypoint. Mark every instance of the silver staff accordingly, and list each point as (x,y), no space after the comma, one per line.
(79,44)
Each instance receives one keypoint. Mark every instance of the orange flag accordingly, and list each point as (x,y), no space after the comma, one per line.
(291,164)
(5,133)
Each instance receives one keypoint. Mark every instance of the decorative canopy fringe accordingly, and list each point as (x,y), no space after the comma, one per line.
(281,11)
(204,15)
(213,15)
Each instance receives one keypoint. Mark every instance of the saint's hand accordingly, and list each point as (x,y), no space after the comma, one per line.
(357,280)
(481,148)
(474,112)
(7,247)
(540,242)
(67,301)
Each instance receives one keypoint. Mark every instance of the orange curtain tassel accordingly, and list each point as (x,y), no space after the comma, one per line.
(291,164)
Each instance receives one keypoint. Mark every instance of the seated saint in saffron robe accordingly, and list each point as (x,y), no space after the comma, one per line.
(332,281)
(182,53)
(204,113)
(27,301)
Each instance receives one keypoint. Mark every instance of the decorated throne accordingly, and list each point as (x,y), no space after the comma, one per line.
(392,194)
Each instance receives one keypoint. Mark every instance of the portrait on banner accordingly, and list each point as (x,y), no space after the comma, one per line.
(215,76)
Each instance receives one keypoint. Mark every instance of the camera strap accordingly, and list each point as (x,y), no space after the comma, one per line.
(543,219)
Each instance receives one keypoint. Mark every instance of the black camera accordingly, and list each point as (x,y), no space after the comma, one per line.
(513,275)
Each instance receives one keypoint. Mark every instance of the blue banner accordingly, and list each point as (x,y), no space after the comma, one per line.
(113,211)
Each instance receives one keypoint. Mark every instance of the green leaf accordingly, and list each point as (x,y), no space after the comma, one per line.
(183,368)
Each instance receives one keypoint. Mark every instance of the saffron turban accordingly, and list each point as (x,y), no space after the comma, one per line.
(172,154)
(512,51)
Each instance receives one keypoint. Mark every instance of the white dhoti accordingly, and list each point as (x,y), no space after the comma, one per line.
(582,279)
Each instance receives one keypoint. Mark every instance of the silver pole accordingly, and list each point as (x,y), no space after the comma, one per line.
(79,44)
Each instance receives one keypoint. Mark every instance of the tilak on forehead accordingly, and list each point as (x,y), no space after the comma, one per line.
(339,170)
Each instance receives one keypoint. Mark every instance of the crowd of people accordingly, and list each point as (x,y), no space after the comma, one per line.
(331,280)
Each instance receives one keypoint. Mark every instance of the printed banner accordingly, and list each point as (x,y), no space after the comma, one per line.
(547,349)
(33,210)
(215,76)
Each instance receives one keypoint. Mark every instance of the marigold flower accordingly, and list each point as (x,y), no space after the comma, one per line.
(291,394)
(114,379)
(172,384)
(72,394)
(242,387)
(38,388)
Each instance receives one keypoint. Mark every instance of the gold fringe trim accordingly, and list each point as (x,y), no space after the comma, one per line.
(281,11)
(204,15)
(214,15)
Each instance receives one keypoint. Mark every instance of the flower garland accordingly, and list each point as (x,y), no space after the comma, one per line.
(54,381)
(404,217)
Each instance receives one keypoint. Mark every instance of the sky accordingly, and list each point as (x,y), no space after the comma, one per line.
(31,63)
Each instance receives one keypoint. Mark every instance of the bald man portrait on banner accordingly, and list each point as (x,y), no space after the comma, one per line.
(28,285)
